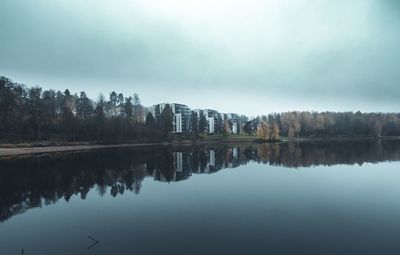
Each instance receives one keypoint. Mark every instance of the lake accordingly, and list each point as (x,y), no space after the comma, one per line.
(288,198)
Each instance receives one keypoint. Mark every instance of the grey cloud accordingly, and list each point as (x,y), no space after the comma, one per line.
(349,51)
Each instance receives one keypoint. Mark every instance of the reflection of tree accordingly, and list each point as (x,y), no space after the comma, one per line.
(307,154)
(37,181)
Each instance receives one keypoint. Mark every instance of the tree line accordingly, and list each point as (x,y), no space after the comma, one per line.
(31,113)
(297,124)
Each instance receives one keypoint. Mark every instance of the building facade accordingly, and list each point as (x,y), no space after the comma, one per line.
(182,119)
(181,116)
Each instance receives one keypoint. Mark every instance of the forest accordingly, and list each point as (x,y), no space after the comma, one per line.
(296,124)
(34,114)
(31,113)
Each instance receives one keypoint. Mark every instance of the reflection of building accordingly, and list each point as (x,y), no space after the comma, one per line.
(178,161)
(212,158)
(184,164)
(235,153)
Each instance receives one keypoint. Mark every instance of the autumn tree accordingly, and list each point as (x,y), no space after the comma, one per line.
(263,131)
(274,131)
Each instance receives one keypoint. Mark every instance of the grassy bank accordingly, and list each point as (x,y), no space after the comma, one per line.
(210,139)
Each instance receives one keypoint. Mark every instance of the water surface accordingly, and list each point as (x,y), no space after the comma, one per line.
(300,198)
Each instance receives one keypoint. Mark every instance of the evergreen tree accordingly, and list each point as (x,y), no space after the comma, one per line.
(127,108)
(166,118)
(35,109)
(84,107)
(202,123)
(194,122)
(99,116)
(150,121)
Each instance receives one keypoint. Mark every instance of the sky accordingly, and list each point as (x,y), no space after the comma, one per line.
(246,56)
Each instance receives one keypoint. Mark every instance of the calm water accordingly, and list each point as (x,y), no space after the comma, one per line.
(306,198)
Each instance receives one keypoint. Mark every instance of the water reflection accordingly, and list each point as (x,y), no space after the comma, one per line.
(42,180)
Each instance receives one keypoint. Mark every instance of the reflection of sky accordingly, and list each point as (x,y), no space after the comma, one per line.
(249,208)
(273,55)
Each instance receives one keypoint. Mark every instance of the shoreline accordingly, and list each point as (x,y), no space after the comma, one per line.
(18,151)
(31,150)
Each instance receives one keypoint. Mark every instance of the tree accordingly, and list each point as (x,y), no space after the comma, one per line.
(10,94)
(291,123)
(127,108)
(49,120)
(29,113)
(202,123)
(319,123)
(60,101)
(291,132)
(295,123)
(84,107)
(194,122)
(68,100)
(219,124)
(150,121)
(113,103)
(306,121)
(263,131)
(248,127)
(375,124)
(274,131)
(136,99)
(49,103)
(99,116)
(167,117)
(35,109)
(138,109)
(68,124)
(120,102)
(226,129)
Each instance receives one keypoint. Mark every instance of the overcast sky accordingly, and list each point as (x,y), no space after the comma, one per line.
(245,56)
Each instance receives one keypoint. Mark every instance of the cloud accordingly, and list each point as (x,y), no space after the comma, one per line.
(303,49)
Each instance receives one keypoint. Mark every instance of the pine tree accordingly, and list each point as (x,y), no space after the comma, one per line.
(150,121)
(194,123)
(202,123)
(167,117)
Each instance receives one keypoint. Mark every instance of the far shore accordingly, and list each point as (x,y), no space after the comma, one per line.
(7,150)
